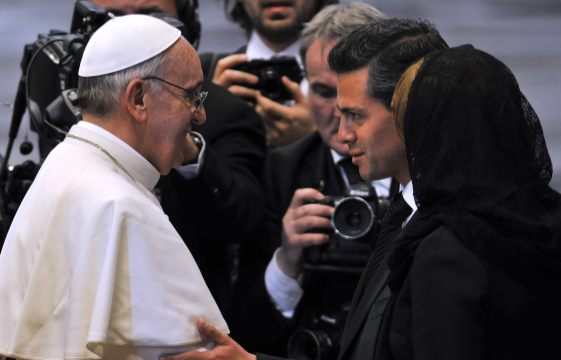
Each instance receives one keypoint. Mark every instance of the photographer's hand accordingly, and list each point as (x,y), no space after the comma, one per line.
(285,124)
(300,218)
(233,80)
(225,347)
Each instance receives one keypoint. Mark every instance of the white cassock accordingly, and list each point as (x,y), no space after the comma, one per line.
(92,268)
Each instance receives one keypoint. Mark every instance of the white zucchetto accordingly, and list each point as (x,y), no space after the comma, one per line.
(126,41)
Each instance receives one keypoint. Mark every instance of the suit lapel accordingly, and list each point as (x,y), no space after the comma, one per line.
(371,285)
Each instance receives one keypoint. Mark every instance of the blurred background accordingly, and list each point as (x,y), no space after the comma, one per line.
(524,34)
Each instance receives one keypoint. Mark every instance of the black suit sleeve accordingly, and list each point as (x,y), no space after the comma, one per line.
(269,357)
(448,289)
(255,322)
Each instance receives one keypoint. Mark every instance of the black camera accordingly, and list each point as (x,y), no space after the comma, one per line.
(320,339)
(270,73)
(354,227)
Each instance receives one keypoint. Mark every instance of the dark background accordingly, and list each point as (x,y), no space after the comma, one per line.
(524,34)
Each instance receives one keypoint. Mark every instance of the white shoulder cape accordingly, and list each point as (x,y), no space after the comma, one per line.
(93,267)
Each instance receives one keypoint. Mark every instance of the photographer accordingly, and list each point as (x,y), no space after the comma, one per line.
(286,298)
(273,29)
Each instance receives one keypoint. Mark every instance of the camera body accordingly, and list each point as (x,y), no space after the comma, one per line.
(320,338)
(270,73)
(331,272)
(354,227)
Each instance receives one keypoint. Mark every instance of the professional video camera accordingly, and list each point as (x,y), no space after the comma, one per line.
(355,223)
(270,73)
(47,90)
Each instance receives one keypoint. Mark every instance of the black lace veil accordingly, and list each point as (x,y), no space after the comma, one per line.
(479,164)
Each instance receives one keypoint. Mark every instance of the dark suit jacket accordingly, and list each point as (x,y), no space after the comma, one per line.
(224,203)
(370,299)
(455,305)
(255,322)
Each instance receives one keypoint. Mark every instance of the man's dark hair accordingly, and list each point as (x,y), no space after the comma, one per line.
(387,47)
(235,11)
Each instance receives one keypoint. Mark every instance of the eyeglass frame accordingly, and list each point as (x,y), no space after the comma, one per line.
(189,94)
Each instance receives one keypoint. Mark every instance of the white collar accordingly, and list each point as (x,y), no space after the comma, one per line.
(408,196)
(336,156)
(257,49)
(140,169)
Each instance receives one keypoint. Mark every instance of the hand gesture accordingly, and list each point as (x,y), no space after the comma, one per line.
(285,124)
(234,80)
(225,347)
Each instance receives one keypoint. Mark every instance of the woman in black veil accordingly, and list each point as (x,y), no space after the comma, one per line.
(477,272)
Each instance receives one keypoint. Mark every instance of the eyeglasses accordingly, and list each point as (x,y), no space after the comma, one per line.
(197,99)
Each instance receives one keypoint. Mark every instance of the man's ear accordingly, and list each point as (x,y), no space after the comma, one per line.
(135,94)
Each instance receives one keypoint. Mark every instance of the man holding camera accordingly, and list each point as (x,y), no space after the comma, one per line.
(91,266)
(273,29)
(275,294)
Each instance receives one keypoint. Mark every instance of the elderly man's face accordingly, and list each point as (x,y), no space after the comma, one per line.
(138,6)
(367,127)
(323,94)
(279,19)
(170,112)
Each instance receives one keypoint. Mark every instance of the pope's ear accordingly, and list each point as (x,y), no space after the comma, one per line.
(135,93)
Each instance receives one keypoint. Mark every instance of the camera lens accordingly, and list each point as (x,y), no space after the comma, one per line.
(353,218)
(305,344)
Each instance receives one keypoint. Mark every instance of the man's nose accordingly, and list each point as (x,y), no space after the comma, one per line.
(343,134)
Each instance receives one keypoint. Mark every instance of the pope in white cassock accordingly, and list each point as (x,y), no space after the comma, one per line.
(91,267)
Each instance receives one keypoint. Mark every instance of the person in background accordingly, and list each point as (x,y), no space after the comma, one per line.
(477,274)
(91,266)
(273,29)
(274,294)
(215,198)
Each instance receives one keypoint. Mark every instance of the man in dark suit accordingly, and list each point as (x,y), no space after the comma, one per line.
(215,199)
(275,294)
(368,63)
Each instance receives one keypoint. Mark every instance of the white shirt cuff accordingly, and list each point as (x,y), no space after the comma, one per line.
(283,290)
